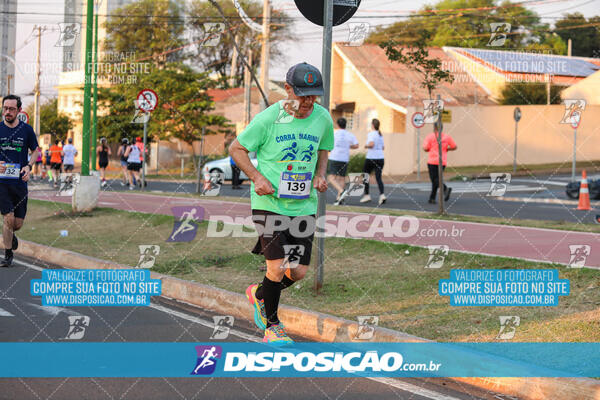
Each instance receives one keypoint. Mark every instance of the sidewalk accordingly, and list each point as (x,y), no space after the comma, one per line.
(535,244)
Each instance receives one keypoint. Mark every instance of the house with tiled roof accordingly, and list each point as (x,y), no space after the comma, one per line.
(493,69)
(366,85)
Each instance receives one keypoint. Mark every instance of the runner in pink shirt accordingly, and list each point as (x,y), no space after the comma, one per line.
(431,146)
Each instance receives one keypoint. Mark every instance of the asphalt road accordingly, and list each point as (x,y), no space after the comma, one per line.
(23,319)
(468,198)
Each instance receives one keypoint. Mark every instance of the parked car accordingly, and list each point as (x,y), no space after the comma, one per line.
(223,165)
(572,189)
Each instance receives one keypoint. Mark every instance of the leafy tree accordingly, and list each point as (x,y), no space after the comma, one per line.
(146,29)
(219,58)
(432,74)
(523,93)
(549,42)
(417,59)
(51,121)
(585,39)
(182,111)
(466,23)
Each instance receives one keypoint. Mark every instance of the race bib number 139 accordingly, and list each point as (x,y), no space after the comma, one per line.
(13,171)
(294,185)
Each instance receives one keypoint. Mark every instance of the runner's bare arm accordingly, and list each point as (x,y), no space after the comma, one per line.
(320,183)
(2,167)
(26,172)
(239,154)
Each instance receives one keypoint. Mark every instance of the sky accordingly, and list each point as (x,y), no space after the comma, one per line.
(307,45)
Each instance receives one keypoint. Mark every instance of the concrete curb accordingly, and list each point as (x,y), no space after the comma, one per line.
(547,201)
(316,326)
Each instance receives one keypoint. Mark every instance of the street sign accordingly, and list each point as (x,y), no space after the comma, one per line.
(343,10)
(575,120)
(446,116)
(147,100)
(23,117)
(517,114)
(418,120)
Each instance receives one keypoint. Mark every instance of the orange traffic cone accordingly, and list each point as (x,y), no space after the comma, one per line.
(584,193)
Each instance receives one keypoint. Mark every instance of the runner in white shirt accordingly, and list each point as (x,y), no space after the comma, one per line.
(374,161)
(339,157)
(69,151)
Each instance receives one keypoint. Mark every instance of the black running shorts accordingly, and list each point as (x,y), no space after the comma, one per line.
(274,245)
(13,199)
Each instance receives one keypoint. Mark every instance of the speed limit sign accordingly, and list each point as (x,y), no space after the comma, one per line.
(23,117)
(147,100)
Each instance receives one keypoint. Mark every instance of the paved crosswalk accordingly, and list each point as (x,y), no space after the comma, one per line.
(470,187)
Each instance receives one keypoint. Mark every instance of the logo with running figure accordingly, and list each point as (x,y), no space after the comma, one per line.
(77,325)
(508,327)
(366,327)
(287,111)
(579,253)
(308,153)
(437,255)
(293,255)
(68,33)
(573,111)
(499,184)
(223,323)
(207,359)
(500,31)
(290,152)
(186,223)
(148,254)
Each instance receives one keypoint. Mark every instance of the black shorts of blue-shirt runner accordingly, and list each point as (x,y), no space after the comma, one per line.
(17,139)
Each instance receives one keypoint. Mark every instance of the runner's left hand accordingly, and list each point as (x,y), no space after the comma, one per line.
(25,172)
(320,183)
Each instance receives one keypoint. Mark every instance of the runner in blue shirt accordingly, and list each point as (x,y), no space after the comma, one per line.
(16,140)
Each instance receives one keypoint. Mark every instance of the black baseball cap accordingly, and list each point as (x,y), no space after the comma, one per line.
(305,79)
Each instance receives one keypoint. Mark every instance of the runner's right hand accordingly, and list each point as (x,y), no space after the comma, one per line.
(262,186)
(2,167)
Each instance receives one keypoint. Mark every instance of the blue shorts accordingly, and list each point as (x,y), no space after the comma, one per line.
(123,163)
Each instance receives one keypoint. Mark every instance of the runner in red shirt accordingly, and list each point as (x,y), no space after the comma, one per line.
(431,146)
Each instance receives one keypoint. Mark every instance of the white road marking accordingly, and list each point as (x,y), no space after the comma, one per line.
(52,310)
(210,324)
(408,387)
(541,182)
(4,313)
(199,321)
(469,187)
(386,381)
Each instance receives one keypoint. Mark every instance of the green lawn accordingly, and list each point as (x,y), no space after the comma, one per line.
(361,277)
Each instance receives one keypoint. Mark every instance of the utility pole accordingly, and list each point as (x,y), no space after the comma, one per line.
(326,74)
(247,89)
(36,90)
(264,58)
(234,58)
(548,81)
(438,128)
(87,89)
(95,112)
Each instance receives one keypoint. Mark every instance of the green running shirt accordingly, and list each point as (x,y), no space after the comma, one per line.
(284,144)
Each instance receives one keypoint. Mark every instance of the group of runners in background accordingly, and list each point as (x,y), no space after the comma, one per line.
(60,157)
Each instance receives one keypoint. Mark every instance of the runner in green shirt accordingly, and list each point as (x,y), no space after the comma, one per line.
(291,139)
